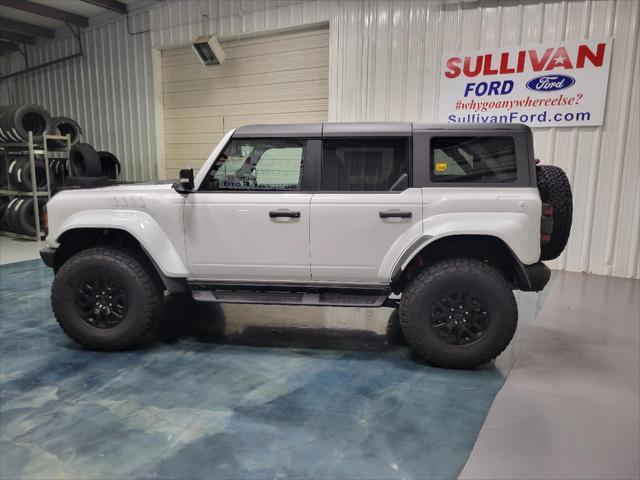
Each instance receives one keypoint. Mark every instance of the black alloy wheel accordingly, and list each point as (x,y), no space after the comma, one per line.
(459,317)
(102,301)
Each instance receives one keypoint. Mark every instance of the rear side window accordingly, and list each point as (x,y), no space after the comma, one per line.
(364,164)
(473,159)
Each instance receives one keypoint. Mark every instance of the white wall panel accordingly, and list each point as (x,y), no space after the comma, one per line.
(109,90)
(276,78)
(385,65)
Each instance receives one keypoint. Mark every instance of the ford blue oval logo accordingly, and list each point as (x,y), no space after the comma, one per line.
(550,83)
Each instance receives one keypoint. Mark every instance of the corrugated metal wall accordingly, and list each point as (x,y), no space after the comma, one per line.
(109,91)
(385,65)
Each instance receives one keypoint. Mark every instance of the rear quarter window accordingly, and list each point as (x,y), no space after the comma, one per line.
(479,159)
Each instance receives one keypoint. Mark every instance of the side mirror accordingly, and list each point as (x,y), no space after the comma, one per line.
(185,183)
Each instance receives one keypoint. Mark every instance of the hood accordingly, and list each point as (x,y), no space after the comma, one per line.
(162,185)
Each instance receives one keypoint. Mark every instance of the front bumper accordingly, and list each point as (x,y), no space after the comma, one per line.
(47,255)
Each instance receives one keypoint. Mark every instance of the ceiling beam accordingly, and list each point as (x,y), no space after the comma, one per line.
(17,37)
(47,11)
(26,28)
(113,5)
(8,47)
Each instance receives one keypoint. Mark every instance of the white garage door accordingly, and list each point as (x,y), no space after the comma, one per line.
(268,79)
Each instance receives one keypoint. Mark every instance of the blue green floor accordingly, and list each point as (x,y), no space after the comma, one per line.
(260,401)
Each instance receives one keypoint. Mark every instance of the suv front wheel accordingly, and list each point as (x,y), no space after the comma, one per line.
(458,313)
(106,298)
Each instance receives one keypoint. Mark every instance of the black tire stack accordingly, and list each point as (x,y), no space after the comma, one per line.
(85,168)
(18,216)
(65,126)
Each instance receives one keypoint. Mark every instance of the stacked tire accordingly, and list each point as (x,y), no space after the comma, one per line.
(58,170)
(18,120)
(85,168)
(20,176)
(18,215)
(65,126)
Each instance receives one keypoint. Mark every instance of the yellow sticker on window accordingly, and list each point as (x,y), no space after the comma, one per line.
(441,167)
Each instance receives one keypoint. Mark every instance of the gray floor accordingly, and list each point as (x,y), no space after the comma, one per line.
(13,250)
(570,408)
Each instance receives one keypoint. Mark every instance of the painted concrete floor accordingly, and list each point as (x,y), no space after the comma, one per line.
(286,392)
(570,408)
(244,392)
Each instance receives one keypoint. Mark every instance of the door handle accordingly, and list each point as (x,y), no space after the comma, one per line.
(395,214)
(283,213)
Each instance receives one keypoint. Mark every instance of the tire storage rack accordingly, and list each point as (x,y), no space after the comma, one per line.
(33,151)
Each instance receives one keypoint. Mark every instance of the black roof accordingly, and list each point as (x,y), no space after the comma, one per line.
(361,129)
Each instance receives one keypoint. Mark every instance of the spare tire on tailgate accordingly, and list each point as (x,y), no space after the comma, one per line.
(555,190)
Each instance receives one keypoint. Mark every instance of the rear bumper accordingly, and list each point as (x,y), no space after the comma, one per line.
(536,277)
(47,254)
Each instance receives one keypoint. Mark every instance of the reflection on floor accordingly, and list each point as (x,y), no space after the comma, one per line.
(244,392)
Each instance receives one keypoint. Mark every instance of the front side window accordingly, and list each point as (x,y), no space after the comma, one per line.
(364,164)
(487,159)
(258,164)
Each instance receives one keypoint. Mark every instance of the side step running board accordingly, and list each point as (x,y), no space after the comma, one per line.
(291,298)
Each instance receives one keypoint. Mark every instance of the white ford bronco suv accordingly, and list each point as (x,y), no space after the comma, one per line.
(449,218)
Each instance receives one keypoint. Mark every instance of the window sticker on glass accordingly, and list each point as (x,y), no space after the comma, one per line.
(488,159)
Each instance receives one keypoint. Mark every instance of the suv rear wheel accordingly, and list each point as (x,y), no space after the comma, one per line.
(106,299)
(458,313)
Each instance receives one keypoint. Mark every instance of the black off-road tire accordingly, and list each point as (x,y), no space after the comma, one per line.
(84,161)
(65,126)
(144,294)
(20,174)
(18,120)
(11,214)
(555,189)
(4,171)
(423,294)
(24,217)
(4,203)
(110,165)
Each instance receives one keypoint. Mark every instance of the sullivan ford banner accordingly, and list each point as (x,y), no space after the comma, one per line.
(552,85)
